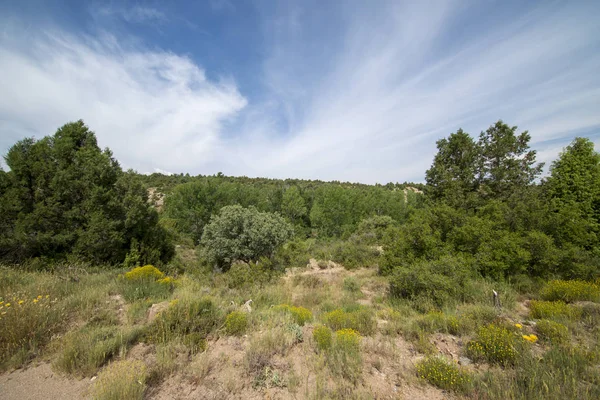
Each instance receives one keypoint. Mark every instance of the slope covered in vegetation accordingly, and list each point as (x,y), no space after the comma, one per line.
(306,289)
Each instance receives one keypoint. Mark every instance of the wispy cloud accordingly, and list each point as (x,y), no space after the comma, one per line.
(153,109)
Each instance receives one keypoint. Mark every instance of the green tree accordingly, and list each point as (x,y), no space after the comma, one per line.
(453,172)
(64,195)
(575,179)
(506,164)
(244,234)
(292,204)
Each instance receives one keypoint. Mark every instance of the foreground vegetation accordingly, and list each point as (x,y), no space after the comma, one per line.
(484,286)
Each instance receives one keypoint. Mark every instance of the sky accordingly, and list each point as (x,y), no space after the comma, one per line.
(345,90)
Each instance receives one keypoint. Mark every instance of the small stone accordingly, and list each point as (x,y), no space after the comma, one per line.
(465,361)
(93,378)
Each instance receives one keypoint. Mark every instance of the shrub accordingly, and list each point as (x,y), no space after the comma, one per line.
(236,323)
(84,351)
(439,282)
(145,272)
(244,275)
(27,322)
(552,310)
(323,337)
(184,317)
(443,374)
(351,285)
(244,234)
(264,346)
(121,380)
(494,344)
(360,320)
(552,331)
(345,358)
(570,291)
(436,321)
(300,314)
(308,281)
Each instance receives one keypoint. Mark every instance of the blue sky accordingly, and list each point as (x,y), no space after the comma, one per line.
(333,90)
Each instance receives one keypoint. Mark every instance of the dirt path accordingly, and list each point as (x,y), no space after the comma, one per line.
(40,382)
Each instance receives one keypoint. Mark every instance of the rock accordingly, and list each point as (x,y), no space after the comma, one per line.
(93,378)
(312,263)
(155,309)
(464,361)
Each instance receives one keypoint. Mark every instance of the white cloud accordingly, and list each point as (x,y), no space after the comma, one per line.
(400,82)
(153,109)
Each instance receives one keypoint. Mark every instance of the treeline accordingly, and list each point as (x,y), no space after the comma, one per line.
(331,209)
(485,211)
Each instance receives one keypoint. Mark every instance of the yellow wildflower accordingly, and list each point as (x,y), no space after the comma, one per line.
(530,338)
(519,326)
(7,304)
(35,301)
(1,302)
(21,302)
(39,297)
(47,296)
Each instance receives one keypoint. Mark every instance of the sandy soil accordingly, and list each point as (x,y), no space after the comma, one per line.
(39,382)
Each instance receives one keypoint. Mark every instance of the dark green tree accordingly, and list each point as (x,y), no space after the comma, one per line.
(452,176)
(64,195)
(506,164)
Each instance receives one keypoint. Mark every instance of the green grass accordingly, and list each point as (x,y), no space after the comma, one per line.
(121,380)
(444,374)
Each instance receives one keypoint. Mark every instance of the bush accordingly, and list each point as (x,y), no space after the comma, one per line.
(121,380)
(436,321)
(300,314)
(345,358)
(245,275)
(146,272)
(360,320)
(322,336)
(439,282)
(244,234)
(351,285)
(443,374)
(236,323)
(552,331)
(184,317)
(570,291)
(495,344)
(27,322)
(84,351)
(552,310)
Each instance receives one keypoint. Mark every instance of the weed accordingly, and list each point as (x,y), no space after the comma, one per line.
(345,359)
(323,337)
(553,310)
(360,319)
(570,291)
(84,351)
(263,347)
(552,331)
(351,285)
(495,344)
(236,323)
(300,314)
(439,322)
(444,374)
(121,380)
(143,273)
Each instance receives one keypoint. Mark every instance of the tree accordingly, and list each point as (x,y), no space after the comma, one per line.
(243,234)
(505,164)
(292,204)
(452,174)
(575,179)
(64,195)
